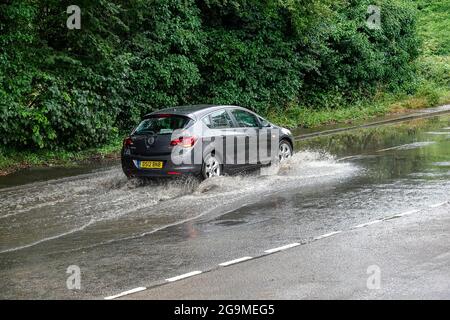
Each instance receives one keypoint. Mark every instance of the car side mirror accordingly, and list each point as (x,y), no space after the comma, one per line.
(264,124)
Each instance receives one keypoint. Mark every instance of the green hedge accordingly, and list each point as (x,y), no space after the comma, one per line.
(73,89)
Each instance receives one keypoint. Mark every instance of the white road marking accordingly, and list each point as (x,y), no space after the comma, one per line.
(349,157)
(407,213)
(228,263)
(387,149)
(437,132)
(366,224)
(126,293)
(438,204)
(326,235)
(183,276)
(409,146)
(295,244)
(292,245)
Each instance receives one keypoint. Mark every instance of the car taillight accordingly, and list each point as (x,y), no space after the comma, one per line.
(127,142)
(185,142)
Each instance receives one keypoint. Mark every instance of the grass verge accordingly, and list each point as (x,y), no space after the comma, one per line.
(427,96)
(12,160)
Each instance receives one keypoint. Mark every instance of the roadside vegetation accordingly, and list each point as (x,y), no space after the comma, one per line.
(428,88)
(67,95)
(12,159)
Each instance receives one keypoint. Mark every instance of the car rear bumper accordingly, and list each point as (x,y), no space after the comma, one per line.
(130,166)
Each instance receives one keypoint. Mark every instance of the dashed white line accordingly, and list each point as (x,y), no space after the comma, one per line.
(366,224)
(228,263)
(438,204)
(437,132)
(326,235)
(183,276)
(288,246)
(126,293)
(292,245)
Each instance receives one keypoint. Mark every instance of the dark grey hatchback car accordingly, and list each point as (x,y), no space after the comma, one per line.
(203,140)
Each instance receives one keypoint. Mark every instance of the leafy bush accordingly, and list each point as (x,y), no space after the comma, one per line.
(73,89)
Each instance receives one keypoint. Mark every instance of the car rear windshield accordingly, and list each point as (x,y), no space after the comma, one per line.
(161,124)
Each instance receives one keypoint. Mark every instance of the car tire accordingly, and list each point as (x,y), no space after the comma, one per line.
(211,167)
(284,150)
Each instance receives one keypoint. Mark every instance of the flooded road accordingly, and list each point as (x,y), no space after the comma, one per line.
(123,234)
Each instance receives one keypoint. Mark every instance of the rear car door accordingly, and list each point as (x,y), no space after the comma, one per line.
(247,131)
(220,130)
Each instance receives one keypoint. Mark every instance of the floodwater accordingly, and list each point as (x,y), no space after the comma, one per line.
(123,234)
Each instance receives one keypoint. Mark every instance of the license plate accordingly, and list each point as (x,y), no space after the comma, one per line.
(151,164)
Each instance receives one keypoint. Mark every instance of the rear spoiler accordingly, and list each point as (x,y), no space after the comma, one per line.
(165,115)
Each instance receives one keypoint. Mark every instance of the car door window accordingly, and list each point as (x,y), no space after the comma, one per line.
(219,120)
(245,119)
(207,121)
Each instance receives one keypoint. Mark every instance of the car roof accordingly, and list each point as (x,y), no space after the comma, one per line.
(192,111)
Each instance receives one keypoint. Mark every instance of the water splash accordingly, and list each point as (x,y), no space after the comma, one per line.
(107,206)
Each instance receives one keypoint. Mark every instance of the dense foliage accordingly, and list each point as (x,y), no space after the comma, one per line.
(72,89)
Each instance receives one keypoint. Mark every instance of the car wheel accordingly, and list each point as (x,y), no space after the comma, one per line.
(211,167)
(285,150)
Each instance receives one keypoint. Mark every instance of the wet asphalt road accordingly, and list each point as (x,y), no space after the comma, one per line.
(409,255)
(124,235)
